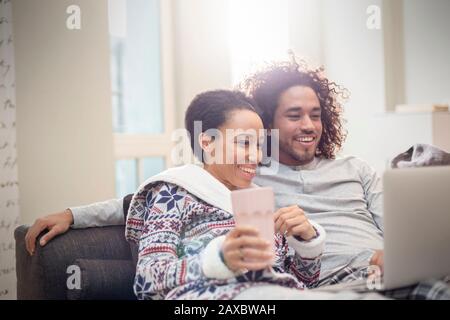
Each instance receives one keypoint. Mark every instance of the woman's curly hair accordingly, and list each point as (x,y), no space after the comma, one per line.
(266,86)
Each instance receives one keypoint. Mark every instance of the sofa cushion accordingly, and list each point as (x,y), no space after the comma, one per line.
(103,279)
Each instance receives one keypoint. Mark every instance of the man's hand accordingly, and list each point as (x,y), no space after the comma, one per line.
(56,223)
(378,259)
(291,221)
(243,250)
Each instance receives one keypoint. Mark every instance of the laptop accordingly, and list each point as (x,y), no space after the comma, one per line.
(416,225)
(416,228)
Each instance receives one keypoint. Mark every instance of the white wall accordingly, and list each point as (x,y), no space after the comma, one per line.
(427,51)
(353,57)
(334,33)
(305,30)
(64,122)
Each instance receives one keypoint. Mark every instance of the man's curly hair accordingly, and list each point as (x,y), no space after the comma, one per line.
(266,86)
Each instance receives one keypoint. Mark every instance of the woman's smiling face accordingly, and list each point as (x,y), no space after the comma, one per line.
(233,156)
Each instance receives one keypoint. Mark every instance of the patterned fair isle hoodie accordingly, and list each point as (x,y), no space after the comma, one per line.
(179,220)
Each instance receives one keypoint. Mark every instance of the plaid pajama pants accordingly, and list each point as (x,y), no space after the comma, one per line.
(425,290)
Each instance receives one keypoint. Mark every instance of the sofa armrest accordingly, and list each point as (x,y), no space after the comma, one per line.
(44,275)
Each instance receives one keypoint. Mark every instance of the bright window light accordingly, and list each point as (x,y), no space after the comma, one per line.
(258,32)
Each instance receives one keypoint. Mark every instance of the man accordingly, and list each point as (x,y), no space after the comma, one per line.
(343,195)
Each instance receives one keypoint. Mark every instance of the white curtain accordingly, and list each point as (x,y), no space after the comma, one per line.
(9,190)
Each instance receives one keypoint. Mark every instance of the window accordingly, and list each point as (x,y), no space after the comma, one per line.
(141,89)
(128,176)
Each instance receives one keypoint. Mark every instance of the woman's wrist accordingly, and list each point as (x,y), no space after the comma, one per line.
(68,213)
(222,257)
(213,265)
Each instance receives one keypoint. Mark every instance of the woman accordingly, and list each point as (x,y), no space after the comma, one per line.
(189,247)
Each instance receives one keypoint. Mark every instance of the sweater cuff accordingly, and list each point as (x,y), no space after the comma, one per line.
(81,218)
(312,248)
(212,264)
(99,214)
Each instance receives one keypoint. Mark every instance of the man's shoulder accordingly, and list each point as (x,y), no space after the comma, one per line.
(349,163)
(352,160)
(360,166)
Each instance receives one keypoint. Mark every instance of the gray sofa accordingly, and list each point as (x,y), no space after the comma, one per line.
(105,261)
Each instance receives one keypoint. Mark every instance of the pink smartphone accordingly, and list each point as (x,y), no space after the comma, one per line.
(255,207)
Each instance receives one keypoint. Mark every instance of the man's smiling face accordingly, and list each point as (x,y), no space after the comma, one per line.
(298,119)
